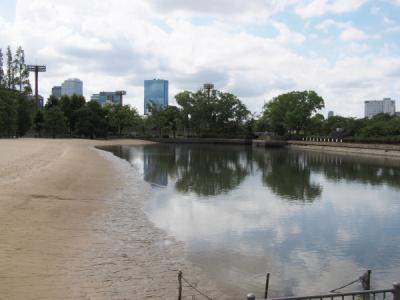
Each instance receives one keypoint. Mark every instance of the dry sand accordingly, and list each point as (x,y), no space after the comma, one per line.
(72,227)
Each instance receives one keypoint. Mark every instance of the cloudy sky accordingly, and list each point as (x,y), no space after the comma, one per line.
(346,50)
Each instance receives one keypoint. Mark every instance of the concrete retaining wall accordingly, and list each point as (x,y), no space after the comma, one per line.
(201,141)
(381,150)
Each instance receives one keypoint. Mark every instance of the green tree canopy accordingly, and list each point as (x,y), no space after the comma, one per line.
(121,117)
(21,72)
(91,121)
(8,112)
(54,121)
(291,112)
(212,113)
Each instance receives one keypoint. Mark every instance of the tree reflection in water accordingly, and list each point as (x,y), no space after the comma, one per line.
(287,174)
(206,170)
(210,170)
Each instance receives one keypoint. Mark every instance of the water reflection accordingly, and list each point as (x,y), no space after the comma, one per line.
(287,174)
(233,207)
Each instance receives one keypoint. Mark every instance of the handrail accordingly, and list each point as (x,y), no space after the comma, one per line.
(330,295)
(395,291)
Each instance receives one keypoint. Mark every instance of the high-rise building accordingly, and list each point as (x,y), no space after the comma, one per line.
(374,107)
(108,97)
(72,86)
(330,114)
(56,91)
(155,93)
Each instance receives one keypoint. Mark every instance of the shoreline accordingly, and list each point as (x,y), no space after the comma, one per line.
(72,225)
(381,150)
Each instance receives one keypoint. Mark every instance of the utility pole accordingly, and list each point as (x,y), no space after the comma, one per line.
(36,69)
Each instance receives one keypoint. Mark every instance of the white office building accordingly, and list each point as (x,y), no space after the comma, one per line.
(72,86)
(374,107)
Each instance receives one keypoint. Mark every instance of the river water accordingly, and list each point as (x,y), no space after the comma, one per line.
(314,221)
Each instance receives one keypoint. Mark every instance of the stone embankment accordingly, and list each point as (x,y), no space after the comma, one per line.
(202,141)
(382,150)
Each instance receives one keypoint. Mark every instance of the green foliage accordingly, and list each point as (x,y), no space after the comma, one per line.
(121,117)
(2,79)
(291,112)
(219,113)
(91,121)
(38,122)
(25,112)
(70,105)
(161,118)
(10,75)
(8,112)
(52,102)
(54,121)
(21,72)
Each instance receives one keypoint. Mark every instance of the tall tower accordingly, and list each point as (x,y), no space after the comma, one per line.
(155,93)
(36,69)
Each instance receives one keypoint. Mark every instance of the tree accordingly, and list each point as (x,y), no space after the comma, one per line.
(91,121)
(155,119)
(121,117)
(171,118)
(2,79)
(8,113)
(292,111)
(38,122)
(10,76)
(215,113)
(25,111)
(54,121)
(70,105)
(21,72)
(316,125)
(52,101)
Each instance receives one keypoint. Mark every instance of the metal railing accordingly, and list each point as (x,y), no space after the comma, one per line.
(364,295)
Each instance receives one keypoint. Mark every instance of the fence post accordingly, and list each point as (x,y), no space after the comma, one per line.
(396,293)
(253,297)
(266,286)
(366,280)
(180,285)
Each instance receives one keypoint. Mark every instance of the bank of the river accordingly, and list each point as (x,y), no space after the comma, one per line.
(72,226)
(219,141)
(382,150)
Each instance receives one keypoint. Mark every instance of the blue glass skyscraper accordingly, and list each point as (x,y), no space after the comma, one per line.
(155,92)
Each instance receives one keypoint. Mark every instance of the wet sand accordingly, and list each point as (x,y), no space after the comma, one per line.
(72,227)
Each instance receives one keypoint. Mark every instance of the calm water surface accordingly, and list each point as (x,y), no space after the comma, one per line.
(313,220)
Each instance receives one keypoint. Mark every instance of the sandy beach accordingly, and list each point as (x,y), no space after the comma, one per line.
(72,227)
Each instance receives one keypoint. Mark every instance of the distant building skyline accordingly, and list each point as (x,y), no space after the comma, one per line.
(155,92)
(72,86)
(330,114)
(108,97)
(374,107)
(56,91)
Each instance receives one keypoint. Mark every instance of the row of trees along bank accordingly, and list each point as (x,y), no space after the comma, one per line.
(199,114)
(296,115)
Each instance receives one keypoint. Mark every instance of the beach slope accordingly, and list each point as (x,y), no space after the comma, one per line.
(68,229)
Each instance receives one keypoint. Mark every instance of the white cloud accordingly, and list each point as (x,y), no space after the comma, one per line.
(286,35)
(393,29)
(112,47)
(316,8)
(242,10)
(352,34)
(348,31)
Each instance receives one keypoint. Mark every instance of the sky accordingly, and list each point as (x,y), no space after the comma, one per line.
(348,51)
